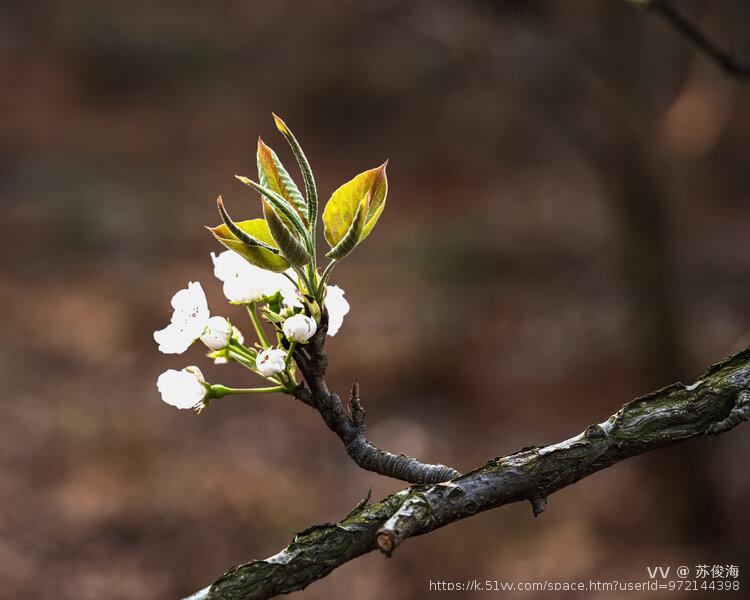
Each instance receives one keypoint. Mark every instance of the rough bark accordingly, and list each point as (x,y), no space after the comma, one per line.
(717,402)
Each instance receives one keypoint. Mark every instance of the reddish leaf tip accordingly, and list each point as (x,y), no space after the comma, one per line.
(262,147)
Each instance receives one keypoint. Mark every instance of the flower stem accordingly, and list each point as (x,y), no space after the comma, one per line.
(219,391)
(312,275)
(242,355)
(258,327)
(289,355)
(307,284)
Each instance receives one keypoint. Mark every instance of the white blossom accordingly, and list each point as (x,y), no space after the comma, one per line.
(217,333)
(191,320)
(270,362)
(244,282)
(188,320)
(183,389)
(299,328)
(337,306)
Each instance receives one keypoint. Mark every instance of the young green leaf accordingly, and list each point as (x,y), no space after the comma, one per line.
(341,209)
(242,236)
(279,204)
(254,243)
(311,192)
(273,175)
(354,234)
(289,245)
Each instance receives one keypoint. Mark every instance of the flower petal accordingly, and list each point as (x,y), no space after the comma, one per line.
(172,339)
(337,307)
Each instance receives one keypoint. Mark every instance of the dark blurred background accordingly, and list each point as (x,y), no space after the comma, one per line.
(566,229)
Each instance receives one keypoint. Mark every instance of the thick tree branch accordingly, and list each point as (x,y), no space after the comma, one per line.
(678,18)
(348,422)
(717,402)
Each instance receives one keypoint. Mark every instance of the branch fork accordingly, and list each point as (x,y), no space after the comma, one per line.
(719,402)
(348,421)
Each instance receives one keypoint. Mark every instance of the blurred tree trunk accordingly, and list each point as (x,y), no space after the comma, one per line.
(638,176)
(608,105)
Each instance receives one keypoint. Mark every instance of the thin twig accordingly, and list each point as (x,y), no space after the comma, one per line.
(683,22)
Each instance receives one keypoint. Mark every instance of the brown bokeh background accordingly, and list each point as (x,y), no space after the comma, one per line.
(567,228)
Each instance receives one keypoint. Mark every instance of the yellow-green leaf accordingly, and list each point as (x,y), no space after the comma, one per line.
(279,203)
(342,207)
(260,257)
(273,175)
(242,236)
(354,234)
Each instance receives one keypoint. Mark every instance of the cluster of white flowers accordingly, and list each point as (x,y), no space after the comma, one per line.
(243,284)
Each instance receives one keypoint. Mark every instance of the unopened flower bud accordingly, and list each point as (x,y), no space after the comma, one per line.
(299,328)
(270,362)
(217,333)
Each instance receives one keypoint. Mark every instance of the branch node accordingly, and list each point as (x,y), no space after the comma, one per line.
(740,412)
(385,543)
(302,394)
(360,505)
(414,513)
(538,505)
(356,410)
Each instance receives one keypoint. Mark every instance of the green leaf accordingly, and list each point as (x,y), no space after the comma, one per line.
(273,175)
(311,192)
(289,245)
(341,209)
(279,203)
(244,237)
(272,316)
(256,255)
(354,234)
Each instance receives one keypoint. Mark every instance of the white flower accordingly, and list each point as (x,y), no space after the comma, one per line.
(192,320)
(217,333)
(183,389)
(337,308)
(270,362)
(188,320)
(299,328)
(243,282)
